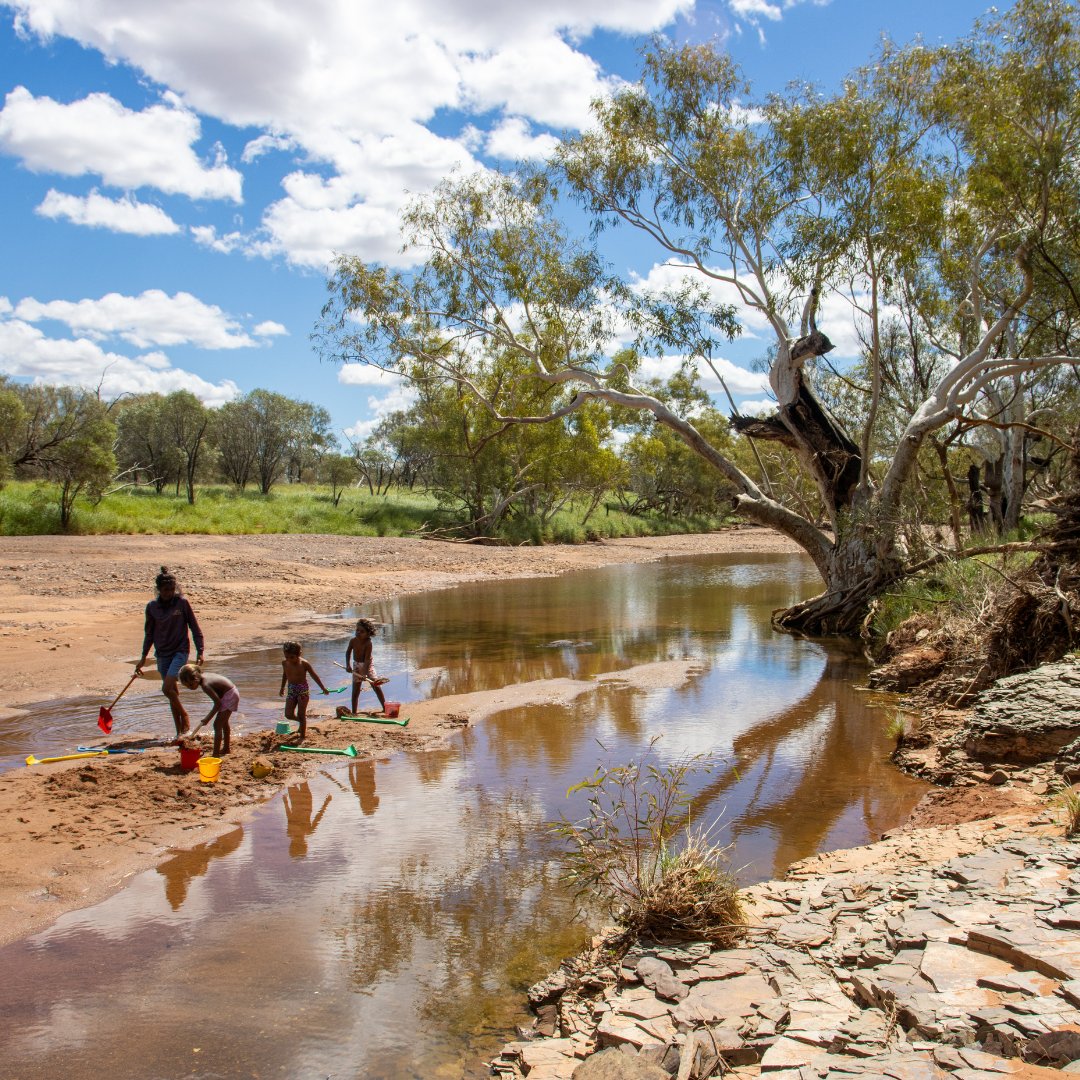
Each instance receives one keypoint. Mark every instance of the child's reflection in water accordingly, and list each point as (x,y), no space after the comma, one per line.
(183,868)
(362,778)
(298,803)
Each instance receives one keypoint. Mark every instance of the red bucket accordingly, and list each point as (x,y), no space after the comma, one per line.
(392,708)
(189,757)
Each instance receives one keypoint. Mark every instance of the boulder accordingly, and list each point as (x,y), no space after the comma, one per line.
(1026,718)
(614,1064)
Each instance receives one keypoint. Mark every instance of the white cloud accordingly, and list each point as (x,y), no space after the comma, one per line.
(358,209)
(761,407)
(225,243)
(513,140)
(367,375)
(399,397)
(837,315)
(124,215)
(25,352)
(270,329)
(560,84)
(263,145)
(152,318)
(751,10)
(739,380)
(349,84)
(127,149)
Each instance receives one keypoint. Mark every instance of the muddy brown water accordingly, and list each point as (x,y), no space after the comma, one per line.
(382,919)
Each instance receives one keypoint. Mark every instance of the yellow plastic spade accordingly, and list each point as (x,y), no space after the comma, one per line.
(31,760)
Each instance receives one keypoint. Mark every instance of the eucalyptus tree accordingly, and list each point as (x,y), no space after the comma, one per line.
(943,178)
(12,416)
(64,434)
(236,436)
(186,422)
(145,446)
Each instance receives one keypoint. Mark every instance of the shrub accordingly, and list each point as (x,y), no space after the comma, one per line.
(637,852)
(1068,798)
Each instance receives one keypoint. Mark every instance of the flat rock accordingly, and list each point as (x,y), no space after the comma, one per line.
(708,1002)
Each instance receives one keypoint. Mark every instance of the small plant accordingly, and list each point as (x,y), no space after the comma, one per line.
(638,854)
(896,729)
(1068,798)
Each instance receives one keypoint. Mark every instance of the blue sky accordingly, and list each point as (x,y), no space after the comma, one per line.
(176,175)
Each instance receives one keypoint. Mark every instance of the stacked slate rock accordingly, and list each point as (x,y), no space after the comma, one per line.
(887,967)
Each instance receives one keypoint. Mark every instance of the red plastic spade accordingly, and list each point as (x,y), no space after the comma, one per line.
(105,719)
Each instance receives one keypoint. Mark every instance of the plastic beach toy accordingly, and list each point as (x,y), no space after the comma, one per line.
(349,751)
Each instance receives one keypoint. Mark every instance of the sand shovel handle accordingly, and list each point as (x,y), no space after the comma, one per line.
(124,691)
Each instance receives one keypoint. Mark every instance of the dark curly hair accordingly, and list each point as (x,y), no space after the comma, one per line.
(166,577)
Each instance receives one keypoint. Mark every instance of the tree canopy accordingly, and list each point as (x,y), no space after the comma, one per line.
(932,198)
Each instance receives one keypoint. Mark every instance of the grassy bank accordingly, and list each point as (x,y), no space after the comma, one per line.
(29,509)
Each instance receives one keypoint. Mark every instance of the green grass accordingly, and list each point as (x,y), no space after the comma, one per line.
(960,585)
(31,509)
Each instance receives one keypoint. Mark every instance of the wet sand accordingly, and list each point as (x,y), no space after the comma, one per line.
(71,621)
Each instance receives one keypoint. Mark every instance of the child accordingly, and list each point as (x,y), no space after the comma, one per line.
(226,701)
(294,672)
(168,619)
(358,661)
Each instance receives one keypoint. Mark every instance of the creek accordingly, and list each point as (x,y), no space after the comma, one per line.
(382,919)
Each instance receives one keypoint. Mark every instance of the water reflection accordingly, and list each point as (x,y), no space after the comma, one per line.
(301,823)
(180,870)
(362,779)
(398,944)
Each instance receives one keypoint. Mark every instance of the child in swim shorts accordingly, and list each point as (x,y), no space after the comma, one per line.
(294,675)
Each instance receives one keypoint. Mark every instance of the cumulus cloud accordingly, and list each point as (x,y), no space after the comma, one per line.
(739,380)
(760,407)
(263,145)
(26,352)
(837,316)
(753,11)
(149,319)
(397,400)
(756,9)
(124,215)
(367,375)
(513,140)
(225,243)
(127,149)
(270,329)
(350,85)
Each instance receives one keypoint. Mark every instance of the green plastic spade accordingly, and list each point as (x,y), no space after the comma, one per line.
(349,751)
(373,720)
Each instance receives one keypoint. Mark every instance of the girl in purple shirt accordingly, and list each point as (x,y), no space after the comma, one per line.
(168,619)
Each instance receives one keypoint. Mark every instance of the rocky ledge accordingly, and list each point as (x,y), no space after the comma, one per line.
(937,952)
(948,952)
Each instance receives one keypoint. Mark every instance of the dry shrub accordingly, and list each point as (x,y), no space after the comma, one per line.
(694,899)
(636,853)
(1068,798)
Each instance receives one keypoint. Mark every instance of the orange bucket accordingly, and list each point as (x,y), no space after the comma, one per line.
(189,757)
(391,709)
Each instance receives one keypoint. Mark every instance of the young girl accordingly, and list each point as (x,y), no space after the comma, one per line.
(168,619)
(226,701)
(358,661)
(294,672)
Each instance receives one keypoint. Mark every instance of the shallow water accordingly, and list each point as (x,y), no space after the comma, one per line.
(383,918)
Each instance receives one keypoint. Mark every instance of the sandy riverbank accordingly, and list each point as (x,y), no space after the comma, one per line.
(71,618)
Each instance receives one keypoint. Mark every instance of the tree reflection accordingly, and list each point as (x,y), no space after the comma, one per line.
(797,774)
